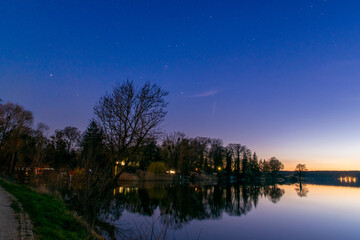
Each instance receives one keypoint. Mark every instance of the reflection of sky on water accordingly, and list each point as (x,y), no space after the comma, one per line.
(325,212)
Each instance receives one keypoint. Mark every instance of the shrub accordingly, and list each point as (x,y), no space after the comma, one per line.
(157,167)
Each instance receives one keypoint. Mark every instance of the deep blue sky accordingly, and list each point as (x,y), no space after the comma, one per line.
(281,77)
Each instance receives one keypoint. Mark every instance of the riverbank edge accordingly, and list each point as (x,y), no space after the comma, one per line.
(49,217)
(25,226)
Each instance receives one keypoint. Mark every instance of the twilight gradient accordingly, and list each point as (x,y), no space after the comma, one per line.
(281,77)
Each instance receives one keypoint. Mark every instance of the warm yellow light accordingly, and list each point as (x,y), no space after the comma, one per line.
(348,179)
(117,162)
(219,168)
(196,169)
(172,171)
(123,163)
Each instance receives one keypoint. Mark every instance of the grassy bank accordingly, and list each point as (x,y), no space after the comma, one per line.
(49,216)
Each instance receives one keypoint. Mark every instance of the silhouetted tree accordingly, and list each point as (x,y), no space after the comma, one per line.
(274,166)
(93,150)
(216,153)
(128,115)
(40,143)
(15,127)
(228,158)
(149,152)
(171,149)
(237,149)
(64,147)
(246,157)
(254,165)
(300,170)
(71,136)
(199,150)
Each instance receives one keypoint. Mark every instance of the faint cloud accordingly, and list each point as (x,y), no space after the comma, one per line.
(205,94)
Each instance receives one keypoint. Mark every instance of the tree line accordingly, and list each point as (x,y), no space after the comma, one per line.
(124,131)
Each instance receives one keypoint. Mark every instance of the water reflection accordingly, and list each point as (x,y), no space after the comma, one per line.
(179,205)
(301,189)
(218,211)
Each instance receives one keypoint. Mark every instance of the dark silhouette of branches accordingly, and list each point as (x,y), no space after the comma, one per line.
(128,116)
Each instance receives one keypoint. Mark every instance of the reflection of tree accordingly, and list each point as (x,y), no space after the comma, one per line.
(179,205)
(182,204)
(242,200)
(301,190)
(274,193)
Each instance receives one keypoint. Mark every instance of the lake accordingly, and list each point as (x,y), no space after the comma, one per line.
(293,211)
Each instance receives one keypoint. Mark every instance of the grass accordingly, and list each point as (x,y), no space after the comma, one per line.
(49,216)
(15,206)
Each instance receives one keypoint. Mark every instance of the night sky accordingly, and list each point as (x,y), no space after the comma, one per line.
(281,77)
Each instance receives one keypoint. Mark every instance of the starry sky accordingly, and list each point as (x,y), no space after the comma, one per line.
(281,77)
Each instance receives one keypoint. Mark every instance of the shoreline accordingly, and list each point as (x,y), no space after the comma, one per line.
(49,216)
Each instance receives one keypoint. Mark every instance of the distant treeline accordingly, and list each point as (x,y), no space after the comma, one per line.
(124,133)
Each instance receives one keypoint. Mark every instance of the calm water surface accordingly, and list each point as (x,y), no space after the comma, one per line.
(295,211)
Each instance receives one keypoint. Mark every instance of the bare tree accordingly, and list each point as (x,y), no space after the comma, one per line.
(13,119)
(216,153)
(40,142)
(128,115)
(15,122)
(172,148)
(228,158)
(71,137)
(237,149)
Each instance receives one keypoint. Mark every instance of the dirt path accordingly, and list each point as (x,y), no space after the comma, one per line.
(9,224)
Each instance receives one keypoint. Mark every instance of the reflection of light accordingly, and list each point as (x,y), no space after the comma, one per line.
(172,171)
(348,179)
(121,189)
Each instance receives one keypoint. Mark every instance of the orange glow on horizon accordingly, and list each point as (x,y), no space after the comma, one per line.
(323,166)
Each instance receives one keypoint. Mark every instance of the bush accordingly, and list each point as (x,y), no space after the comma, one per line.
(157,167)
